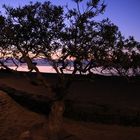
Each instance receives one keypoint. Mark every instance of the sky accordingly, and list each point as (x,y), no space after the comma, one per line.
(123,13)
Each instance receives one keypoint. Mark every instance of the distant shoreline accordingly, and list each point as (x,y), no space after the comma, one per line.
(96,77)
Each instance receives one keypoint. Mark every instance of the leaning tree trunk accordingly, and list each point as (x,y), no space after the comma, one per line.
(55,119)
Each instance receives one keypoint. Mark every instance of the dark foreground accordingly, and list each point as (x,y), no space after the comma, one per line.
(103,99)
(113,102)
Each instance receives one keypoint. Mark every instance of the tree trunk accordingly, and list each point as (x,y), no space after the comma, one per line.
(56,120)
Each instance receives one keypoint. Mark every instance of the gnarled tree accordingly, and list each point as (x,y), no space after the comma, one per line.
(73,41)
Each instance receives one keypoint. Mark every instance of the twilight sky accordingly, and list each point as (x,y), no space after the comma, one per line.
(123,13)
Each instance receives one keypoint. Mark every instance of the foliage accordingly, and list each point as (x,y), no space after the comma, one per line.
(69,39)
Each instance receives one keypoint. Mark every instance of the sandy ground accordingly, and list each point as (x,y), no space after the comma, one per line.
(16,121)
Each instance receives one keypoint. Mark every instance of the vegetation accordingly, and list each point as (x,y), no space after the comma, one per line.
(70,41)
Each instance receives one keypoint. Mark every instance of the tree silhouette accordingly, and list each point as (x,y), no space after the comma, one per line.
(70,41)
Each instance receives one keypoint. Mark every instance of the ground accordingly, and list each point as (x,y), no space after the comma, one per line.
(17,121)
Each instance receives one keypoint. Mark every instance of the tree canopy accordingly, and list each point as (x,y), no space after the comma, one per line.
(69,39)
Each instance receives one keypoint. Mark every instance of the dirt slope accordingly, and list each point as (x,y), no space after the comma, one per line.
(14,119)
